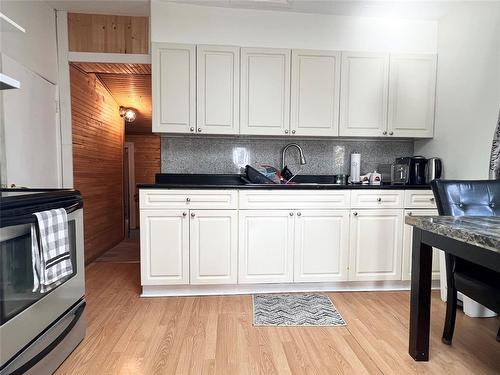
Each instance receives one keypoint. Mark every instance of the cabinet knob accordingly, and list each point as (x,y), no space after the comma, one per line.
(188,199)
(299,214)
(184,213)
(191,129)
(286,131)
(291,213)
(391,133)
(410,213)
(193,214)
(432,199)
(379,199)
(199,130)
(355,213)
(293,131)
(384,132)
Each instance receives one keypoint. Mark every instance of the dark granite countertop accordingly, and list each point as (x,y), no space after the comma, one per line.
(482,231)
(235,181)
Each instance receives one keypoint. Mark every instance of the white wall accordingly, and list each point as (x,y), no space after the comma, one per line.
(183,23)
(468,90)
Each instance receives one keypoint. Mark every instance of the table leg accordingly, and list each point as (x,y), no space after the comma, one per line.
(420,301)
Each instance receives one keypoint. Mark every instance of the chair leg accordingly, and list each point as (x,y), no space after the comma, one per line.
(498,335)
(451,314)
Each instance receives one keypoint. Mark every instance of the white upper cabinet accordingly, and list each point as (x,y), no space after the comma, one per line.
(218,89)
(412,87)
(265,91)
(174,85)
(363,95)
(315,88)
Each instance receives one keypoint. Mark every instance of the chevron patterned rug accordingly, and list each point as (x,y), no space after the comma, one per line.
(295,310)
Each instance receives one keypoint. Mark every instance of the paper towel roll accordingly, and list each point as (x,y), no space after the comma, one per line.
(355,167)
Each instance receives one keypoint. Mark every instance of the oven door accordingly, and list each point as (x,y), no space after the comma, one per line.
(24,314)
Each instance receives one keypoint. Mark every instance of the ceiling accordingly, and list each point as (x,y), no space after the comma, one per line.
(114,7)
(130,86)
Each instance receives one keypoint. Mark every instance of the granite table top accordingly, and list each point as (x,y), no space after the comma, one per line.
(482,231)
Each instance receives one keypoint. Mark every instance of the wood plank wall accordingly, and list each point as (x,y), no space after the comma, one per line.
(98,138)
(106,33)
(147,159)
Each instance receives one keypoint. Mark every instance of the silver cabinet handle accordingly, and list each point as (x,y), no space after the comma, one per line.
(293,131)
(199,130)
(384,133)
(188,199)
(193,214)
(184,214)
(286,131)
(299,214)
(291,213)
(391,133)
(355,213)
(191,129)
(379,199)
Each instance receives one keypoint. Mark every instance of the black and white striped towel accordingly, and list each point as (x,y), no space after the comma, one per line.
(50,250)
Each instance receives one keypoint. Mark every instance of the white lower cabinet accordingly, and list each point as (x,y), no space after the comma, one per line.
(376,244)
(321,245)
(213,246)
(408,243)
(265,246)
(164,247)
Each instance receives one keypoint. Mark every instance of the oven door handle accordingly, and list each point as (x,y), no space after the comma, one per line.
(37,358)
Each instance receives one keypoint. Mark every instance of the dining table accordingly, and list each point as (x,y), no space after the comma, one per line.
(473,238)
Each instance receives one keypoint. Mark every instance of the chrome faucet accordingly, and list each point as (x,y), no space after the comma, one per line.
(301,154)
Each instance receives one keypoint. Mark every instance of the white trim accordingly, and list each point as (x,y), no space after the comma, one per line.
(64,109)
(109,58)
(10,25)
(131,184)
(9,82)
(211,290)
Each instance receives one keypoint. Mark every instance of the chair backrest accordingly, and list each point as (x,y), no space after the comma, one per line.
(467,197)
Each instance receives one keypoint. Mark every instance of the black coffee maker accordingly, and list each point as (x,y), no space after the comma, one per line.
(416,169)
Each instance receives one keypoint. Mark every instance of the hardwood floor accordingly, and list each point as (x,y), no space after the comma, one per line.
(214,335)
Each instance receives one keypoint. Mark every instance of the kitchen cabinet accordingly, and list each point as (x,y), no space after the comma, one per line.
(376,242)
(173,87)
(164,247)
(408,242)
(265,91)
(265,246)
(315,89)
(364,94)
(213,246)
(412,86)
(218,89)
(320,246)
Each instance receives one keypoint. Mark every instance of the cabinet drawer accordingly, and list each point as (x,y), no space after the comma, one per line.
(419,199)
(283,199)
(188,199)
(377,199)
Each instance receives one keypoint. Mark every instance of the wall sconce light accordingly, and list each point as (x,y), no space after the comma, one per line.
(128,114)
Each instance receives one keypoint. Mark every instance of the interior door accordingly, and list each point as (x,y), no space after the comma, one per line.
(213,246)
(315,93)
(363,96)
(321,245)
(376,244)
(265,91)
(265,246)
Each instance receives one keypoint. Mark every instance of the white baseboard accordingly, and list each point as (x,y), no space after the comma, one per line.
(215,290)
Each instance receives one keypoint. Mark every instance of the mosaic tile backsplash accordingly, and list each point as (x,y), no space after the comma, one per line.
(211,154)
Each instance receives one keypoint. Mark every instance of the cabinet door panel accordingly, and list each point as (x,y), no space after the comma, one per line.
(164,247)
(265,91)
(213,246)
(412,86)
(408,243)
(265,246)
(218,77)
(315,92)
(321,245)
(173,88)
(363,96)
(376,244)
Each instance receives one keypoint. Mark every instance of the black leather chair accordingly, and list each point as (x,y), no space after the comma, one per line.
(468,198)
